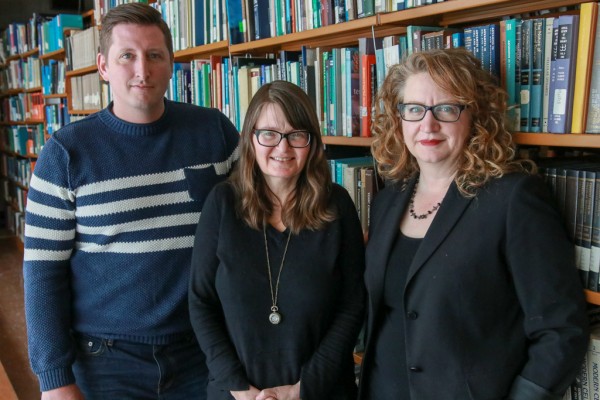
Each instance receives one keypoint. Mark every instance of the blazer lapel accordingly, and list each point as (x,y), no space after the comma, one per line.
(453,206)
(388,227)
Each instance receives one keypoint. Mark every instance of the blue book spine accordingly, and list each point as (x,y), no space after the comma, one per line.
(468,39)
(494,43)
(562,88)
(458,39)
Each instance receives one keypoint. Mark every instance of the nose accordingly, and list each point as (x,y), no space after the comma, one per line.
(284,142)
(429,123)
(142,68)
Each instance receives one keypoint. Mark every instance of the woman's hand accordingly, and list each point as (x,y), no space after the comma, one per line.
(288,392)
(249,394)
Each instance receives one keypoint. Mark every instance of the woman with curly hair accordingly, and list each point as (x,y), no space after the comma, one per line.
(277,293)
(470,275)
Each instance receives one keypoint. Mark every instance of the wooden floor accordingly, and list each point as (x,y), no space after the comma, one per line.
(13,339)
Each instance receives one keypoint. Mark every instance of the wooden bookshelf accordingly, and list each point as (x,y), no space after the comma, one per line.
(81,71)
(592,297)
(558,140)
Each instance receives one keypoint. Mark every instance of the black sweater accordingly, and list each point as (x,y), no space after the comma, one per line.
(321,295)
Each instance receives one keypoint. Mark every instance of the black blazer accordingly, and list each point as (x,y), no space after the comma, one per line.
(493,300)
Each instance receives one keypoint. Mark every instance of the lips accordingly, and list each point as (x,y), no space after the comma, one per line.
(282,158)
(430,142)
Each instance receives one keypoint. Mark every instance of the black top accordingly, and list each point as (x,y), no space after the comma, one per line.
(321,296)
(388,378)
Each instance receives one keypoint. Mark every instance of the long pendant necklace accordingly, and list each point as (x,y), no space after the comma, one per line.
(275,316)
(411,205)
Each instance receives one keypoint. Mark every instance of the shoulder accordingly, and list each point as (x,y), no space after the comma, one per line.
(389,193)
(339,195)
(514,184)
(223,192)
(177,110)
(74,130)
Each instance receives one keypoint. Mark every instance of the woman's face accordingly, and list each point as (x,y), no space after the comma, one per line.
(281,164)
(432,142)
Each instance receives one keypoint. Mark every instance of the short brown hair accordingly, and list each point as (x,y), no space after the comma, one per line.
(489,151)
(132,13)
(307,207)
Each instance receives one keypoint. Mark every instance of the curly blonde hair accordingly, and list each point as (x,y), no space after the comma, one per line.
(489,151)
(308,207)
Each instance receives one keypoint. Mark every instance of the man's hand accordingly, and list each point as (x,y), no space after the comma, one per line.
(69,392)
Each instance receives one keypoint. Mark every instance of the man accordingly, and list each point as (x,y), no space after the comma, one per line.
(112,210)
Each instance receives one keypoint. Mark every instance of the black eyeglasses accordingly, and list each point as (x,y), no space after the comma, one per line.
(442,112)
(271,138)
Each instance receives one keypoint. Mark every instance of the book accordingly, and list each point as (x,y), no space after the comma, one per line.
(526,59)
(548,33)
(537,75)
(513,78)
(562,81)
(593,111)
(588,20)
(414,34)
(236,23)
(367,63)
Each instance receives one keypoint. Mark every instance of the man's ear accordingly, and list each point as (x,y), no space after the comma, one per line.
(101,64)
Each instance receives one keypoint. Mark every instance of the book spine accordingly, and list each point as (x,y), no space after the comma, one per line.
(537,75)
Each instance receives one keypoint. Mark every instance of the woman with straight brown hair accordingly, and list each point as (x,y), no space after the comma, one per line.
(276,295)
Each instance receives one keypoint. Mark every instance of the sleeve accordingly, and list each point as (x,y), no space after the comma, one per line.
(324,369)
(49,241)
(231,138)
(542,263)
(206,313)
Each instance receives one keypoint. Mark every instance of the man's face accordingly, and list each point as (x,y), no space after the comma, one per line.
(138,68)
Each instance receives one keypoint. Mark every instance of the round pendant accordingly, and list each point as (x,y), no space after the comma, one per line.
(275,318)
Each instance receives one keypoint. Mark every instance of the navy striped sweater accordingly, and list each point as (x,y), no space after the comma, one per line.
(110,220)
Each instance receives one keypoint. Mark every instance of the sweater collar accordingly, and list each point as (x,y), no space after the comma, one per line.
(128,128)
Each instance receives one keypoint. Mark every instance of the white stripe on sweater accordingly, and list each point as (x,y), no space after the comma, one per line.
(46,255)
(48,211)
(50,234)
(132,204)
(143,224)
(148,246)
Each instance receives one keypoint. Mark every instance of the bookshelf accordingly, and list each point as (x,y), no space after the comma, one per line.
(449,13)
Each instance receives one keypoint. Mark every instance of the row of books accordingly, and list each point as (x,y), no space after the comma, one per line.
(88,92)
(260,19)
(52,32)
(22,107)
(43,31)
(24,139)
(15,223)
(53,77)
(101,7)
(19,38)
(19,171)
(57,114)
(23,73)
(81,48)
(358,176)
(194,22)
(587,381)
(575,184)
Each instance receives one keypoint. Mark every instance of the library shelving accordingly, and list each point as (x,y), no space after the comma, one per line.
(442,14)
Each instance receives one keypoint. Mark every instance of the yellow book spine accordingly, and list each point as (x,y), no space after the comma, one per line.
(585,50)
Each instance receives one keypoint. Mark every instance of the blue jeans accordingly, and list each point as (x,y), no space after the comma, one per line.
(120,370)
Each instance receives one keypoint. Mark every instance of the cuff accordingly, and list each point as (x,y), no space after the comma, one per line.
(56,378)
(523,389)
